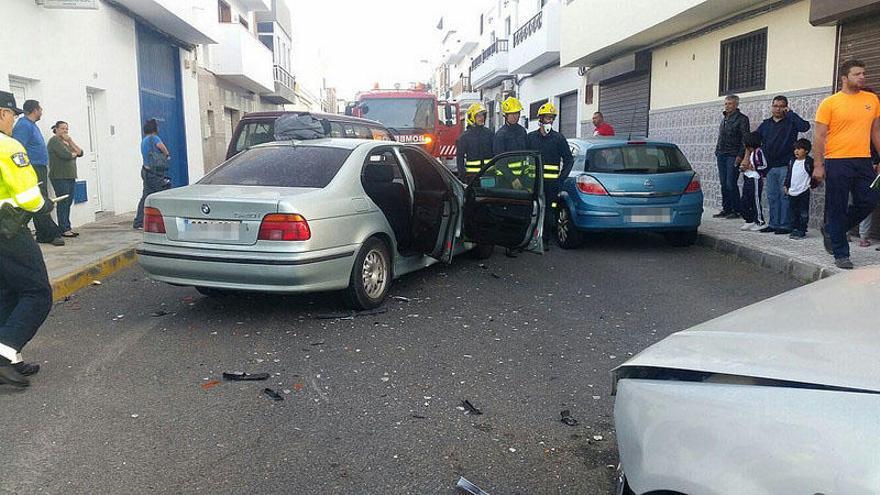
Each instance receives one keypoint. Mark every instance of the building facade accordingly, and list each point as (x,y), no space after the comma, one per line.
(663,68)
(131,60)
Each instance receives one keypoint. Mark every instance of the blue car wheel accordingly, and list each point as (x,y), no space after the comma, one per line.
(567,234)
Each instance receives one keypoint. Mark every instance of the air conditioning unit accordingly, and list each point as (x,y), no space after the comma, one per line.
(507,85)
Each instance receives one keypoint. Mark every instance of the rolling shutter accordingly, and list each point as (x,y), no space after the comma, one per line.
(625,102)
(568,108)
(860,40)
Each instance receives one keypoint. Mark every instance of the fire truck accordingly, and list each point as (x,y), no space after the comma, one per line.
(414,116)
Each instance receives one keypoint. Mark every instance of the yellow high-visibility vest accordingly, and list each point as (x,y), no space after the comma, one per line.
(18,180)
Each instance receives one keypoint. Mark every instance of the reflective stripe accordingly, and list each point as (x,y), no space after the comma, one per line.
(28,196)
(473,166)
(551,171)
(9,353)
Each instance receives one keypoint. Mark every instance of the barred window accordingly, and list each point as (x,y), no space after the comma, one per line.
(743,63)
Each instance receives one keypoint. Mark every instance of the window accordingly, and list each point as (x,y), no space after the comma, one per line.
(336,130)
(265,27)
(362,132)
(513,175)
(588,94)
(244,22)
(380,134)
(280,166)
(224,11)
(481,24)
(533,108)
(638,159)
(254,133)
(743,63)
(268,40)
(507,27)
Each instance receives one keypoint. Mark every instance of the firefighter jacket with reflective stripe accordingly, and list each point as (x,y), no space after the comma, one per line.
(18,180)
(555,153)
(510,138)
(473,149)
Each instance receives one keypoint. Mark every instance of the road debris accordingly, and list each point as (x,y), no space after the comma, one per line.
(598,438)
(495,275)
(240,376)
(211,384)
(469,408)
(272,394)
(297,386)
(96,282)
(464,484)
(567,419)
(161,312)
(351,314)
(401,298)
(419,416)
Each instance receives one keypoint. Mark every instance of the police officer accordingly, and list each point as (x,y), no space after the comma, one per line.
(511,136)
(557,158)
(25,293)
(474,147)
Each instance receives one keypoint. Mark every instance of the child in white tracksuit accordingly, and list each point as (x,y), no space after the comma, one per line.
(754,169)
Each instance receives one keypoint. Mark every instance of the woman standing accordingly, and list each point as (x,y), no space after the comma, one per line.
(63,153)
(155,167)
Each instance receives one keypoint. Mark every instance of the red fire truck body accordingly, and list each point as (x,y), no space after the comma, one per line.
(414,116)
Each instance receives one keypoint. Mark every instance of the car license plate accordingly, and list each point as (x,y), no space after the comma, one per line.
(649,215)
(211,230)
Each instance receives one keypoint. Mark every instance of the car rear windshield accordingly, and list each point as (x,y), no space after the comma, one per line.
(637,159)
(280,166)
(254,133)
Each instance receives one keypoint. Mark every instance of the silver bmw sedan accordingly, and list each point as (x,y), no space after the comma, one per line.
(335,215)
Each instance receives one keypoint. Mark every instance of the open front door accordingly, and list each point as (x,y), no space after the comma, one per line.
(504,203)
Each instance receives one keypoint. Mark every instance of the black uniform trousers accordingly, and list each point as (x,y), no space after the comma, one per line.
(46,228)
(25,292)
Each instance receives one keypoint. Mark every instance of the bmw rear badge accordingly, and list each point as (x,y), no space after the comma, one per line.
(206,209)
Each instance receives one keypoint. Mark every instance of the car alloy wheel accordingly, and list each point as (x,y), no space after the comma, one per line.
(567,236)
(375,274)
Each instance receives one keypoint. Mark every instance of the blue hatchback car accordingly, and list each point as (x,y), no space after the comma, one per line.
(619,184)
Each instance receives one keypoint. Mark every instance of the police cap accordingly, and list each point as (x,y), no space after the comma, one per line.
(7,100)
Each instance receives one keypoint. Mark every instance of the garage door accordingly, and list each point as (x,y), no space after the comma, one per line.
(568,109)
(625,102)
(861,40)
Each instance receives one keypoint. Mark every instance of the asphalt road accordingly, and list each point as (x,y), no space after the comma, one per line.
(125,402)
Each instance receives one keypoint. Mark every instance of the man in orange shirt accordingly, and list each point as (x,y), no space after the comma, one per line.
(846,124)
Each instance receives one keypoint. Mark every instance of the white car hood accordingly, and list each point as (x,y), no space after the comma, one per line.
(826,333)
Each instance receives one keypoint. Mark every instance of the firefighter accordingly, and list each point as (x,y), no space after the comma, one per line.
(25,293)
(511,136)
(557,158)
(474,147)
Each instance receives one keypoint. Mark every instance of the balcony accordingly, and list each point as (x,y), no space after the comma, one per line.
(536,43)
(176,18)
(284,88)
(489,68)
(462,86)
(241,59)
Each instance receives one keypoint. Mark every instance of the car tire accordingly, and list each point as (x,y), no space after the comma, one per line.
(370,276)
(682,239)
(212,292)
(482,251)
(567,234)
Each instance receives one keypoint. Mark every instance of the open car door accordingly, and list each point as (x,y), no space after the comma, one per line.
(504,203)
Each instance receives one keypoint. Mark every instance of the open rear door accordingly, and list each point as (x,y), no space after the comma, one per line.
(504,203)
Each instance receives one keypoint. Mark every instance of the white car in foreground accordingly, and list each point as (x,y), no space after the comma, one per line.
(780,397)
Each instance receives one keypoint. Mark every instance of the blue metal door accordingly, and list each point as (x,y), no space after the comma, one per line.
(161,96)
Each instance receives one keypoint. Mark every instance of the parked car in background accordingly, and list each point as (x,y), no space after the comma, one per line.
(779,397)
(626,185)
(334,214)
(259,127)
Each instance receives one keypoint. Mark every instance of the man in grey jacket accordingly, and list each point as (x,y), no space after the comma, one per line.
(729,153)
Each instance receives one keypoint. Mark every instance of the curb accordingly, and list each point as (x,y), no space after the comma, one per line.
(68,284)
(794,267)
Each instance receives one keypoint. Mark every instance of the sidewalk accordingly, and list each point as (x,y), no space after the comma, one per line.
(804,259)
(102,248)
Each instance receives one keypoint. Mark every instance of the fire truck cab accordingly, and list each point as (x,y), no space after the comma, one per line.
(414,116)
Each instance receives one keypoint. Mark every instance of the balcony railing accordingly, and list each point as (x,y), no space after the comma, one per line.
(531,27)
(498,46)
(284,78)
(462,86)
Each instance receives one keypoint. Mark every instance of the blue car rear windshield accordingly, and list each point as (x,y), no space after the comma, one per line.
(637,159)
(280,166)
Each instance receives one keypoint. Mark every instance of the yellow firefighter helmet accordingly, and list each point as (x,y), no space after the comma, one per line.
(511,105)
(547,109)
(473,111)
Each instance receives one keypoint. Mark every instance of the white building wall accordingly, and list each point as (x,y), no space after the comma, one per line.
(64,54)
(191,116)
(550,83)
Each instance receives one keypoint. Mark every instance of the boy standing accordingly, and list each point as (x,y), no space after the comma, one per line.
(798,182)
(754,168)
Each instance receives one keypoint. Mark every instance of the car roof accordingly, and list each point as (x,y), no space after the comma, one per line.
(318,115)
(824,333)
(343,143)
(614,141)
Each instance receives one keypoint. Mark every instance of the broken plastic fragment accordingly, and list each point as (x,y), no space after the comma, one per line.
(96,282)
(210,384)
(598,438)
(464,484)
(567,419)
(159,313)
(272,394)
(401,298)
(240,376)
(470,407)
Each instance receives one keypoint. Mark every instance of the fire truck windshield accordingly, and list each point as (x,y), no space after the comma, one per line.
(400,113)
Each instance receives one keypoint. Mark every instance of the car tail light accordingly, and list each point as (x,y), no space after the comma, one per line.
(284,227)
(153,221)
(588,184)
(694,186)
